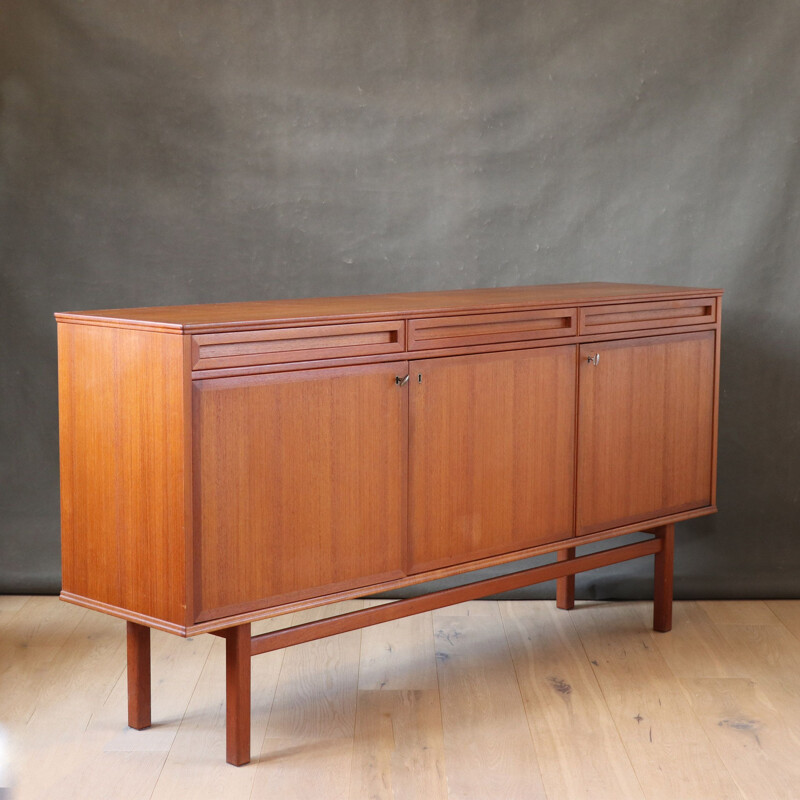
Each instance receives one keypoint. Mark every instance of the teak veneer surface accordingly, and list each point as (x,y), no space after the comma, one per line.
(482,481)
(645,416)
(300,484)
(227,463)
(125,514)
(190,497)
(196,318)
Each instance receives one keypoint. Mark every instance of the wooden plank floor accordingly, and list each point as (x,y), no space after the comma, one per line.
(478,701)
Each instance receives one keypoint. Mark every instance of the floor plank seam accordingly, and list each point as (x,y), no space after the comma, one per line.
(439,693)
(180,724)
(501,606)
(355,714)
(263,743)
(592,665)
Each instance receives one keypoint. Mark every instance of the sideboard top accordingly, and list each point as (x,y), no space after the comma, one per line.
(229,316)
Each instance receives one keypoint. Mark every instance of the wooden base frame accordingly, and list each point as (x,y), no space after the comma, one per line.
(138,676)
(240,646)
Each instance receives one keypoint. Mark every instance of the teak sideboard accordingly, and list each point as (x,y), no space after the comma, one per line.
(226,463)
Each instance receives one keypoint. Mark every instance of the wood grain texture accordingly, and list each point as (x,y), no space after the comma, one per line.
(32,640)
(662,579)
(485,727)
(746,705)
(249,315)
(270,612)
(139,682)
(737,680)
(565,587)
(300,484)
(661,735)
(741,612)
(341,623)
(700,651)
(579,748)
(194,766)
(142,434)
(491,451)
(434,352)
(514,326)
(745,726)
(308,747)
(645,428)
(10,606)
(398,749)
(237,695)
(306,343)
(640,316)
(192,500)
(787,612)
(769,655)
(74,697)
(398,654)
(123,434)
(715,422)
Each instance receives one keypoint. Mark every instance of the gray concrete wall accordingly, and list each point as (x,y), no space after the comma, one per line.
(179,152)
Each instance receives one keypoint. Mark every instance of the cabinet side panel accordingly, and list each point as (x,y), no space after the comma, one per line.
(715,434)
(121,417)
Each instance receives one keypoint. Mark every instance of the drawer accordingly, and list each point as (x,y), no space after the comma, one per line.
(513,326)
(280,345)
(638,316)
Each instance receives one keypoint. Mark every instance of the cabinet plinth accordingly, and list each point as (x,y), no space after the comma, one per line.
(227,463)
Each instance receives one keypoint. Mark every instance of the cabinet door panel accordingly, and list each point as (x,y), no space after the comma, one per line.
(300,483)
(645,429)
(491,449)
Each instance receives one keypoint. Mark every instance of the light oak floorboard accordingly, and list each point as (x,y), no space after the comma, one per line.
(739,612)
(398,655)
(10,605)
(475,701)
(696,647)
(61,739)
(788,612)
(399,749)
(752,738)
(489,751)
(580,750)
(28,646)
(308,748)
(772,657)
(196,766)
(670,752)
(736,695)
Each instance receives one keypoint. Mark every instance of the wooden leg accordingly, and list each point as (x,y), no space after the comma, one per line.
(565,587)
(662,589)
(237,670)
(138,676)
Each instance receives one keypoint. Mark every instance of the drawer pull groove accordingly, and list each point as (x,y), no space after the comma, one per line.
(514,326)
(638,316)
(245,348)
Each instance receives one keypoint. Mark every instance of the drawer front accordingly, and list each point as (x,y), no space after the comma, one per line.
(281,345)
(641,316)
(513,326)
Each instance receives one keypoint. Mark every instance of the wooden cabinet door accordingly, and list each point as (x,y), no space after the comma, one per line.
(491,454)
(300,485)
(645,428)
